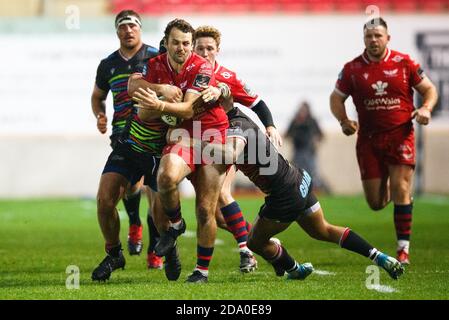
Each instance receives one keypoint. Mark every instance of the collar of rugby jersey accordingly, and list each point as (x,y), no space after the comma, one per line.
(368,61)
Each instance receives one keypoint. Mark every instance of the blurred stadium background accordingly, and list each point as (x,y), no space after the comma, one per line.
(286,50)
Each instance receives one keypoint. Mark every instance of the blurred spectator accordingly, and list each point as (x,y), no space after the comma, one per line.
(306,135)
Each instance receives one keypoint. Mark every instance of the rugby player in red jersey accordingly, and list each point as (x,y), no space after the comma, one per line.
(229,215)
(381,82)
(191,73)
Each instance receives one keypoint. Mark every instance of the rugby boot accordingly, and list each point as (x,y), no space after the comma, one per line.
(172,265)
(197,277)
(402,257)
(389,264)
(248,262)
(153,261)
(107,266)
(135,239)
(300,271)
(167,240)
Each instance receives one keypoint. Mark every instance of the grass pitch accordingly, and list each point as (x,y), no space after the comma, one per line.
(40,238)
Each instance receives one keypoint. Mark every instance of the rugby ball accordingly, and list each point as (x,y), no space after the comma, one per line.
(172,121)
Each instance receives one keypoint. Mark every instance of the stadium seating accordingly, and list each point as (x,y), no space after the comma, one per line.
(434,6)
(348,6)
(119,5)
(321,5)
(292,5)
(405,5)
(157,7)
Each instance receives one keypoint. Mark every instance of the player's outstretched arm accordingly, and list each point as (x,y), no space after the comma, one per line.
(337,105)
(430,97)
(228,152)
(98,103)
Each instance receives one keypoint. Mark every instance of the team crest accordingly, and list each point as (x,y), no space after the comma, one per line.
(226,75)
(397,58)
(201,80)
(366,75)
(380,87)
(112,70)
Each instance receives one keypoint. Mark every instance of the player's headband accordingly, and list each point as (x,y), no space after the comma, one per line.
(128,19)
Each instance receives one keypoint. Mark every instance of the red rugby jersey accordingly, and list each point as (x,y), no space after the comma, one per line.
(240,92)
(195,73)
(381,91)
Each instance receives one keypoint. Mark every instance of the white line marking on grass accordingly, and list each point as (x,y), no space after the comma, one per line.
(324,273)
(88,206)
(434,199)
(191,234)
(382,289)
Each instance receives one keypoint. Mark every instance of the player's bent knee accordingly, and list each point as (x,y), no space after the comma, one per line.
(105,204)
(166,181)
(376,206)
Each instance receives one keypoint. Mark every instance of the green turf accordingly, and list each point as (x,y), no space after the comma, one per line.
(40,238)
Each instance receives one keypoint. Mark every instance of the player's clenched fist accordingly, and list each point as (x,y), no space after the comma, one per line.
(422,115)
(349,127)
(102,122)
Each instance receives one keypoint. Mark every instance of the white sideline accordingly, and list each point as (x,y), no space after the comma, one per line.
(324,273)
(382,288)
(191,234)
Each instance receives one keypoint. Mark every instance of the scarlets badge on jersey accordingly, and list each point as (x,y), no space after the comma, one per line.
(201,80)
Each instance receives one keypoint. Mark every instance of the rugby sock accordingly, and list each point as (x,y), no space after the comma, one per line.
(174,215)
(236,224)
(403,225)
(204,255)
(113,249)
(132,203)
(403,245)
(153,233)
(282,260)
(249,226)
(353,242)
